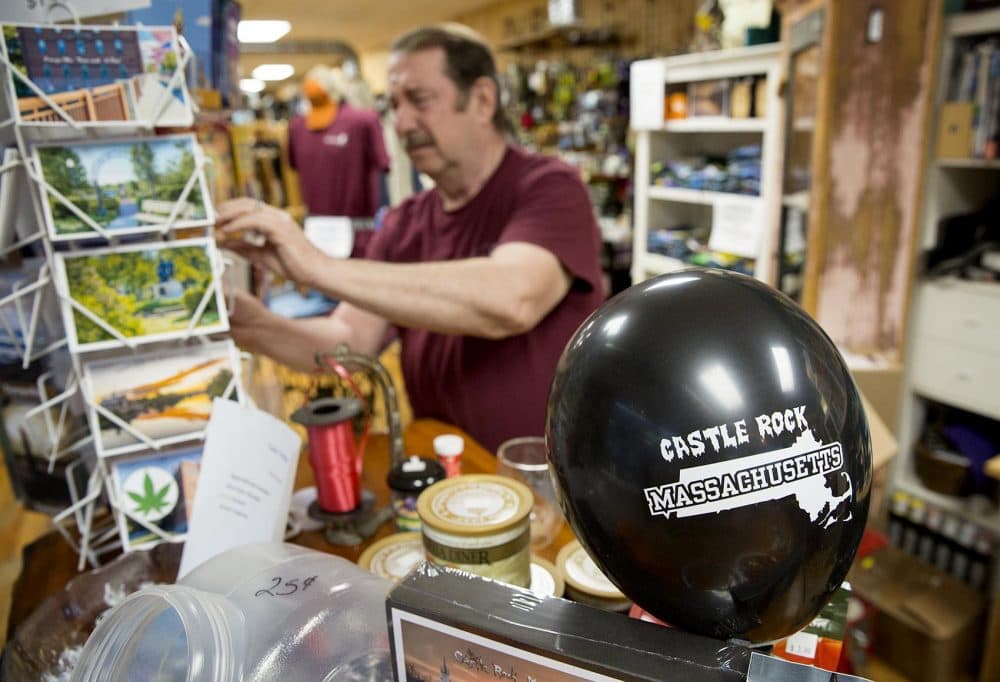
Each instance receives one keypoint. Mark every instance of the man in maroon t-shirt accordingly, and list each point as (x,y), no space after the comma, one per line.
(486,276)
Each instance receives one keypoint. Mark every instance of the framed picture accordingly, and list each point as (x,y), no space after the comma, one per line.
(97,76)
(123,186)
(142,292)
(135,402)
(156,490)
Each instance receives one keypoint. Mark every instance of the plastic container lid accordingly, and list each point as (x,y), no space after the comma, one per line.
(415,474)
(395,556)
(475,504)
(448,445)
(582,574)
(545,580)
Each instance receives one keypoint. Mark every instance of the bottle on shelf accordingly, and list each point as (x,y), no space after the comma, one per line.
(898,519)
(980,567)
(911,537)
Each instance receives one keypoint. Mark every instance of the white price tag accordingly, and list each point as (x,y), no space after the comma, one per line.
(802,644)
(737,225)
(333,235)
(646,81)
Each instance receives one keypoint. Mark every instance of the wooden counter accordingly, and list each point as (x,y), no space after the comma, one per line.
(49,563)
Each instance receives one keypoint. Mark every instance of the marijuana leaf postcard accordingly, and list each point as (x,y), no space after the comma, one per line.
(157,491)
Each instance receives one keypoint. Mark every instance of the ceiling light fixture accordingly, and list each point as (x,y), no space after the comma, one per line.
(273,72)
(251,85)
(262,31)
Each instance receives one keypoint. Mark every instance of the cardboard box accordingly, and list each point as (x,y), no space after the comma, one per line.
(955,130)
(448,624)
(442,620)
(928,625)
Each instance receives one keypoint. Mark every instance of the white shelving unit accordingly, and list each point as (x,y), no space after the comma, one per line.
(953,357)
(658,139)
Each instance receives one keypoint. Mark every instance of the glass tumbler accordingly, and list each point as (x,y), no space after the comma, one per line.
(523,459)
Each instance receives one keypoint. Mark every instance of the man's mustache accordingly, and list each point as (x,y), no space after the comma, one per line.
(414,140)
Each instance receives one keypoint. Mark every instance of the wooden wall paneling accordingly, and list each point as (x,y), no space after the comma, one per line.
(866,187)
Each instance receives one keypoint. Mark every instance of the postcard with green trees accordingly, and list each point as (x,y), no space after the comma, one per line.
(145,292)
(162,397)
(124,187)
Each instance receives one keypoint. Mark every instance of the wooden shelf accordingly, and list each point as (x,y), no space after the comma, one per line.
(715,124)
(969,163)
(973,23)
(696,196)
(909,483)
(570,35)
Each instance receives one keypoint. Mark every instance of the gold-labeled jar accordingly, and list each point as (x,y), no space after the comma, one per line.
(585,582)
(393,557)
(480,524)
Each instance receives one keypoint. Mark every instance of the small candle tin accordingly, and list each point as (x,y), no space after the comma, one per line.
(479,523)
(407,480)
(393,557)
(545,579)
(585,583)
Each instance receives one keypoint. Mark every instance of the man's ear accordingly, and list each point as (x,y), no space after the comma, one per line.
(483,97)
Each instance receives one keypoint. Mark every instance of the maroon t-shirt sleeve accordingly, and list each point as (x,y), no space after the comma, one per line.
(554,212)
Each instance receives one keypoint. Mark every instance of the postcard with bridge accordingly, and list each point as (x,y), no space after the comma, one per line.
(121,187)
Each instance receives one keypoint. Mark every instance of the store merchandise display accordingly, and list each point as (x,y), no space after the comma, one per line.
(115,309)
(737,173)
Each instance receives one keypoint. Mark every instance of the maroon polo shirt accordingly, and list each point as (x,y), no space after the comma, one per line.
(496,389)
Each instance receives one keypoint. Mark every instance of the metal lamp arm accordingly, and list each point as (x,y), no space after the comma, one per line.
(343,355)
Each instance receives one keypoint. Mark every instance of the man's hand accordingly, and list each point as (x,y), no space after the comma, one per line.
(247,314)
(269,237)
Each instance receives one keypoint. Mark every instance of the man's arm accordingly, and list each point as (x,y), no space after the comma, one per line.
(296,342)
(504,294)
(501,295)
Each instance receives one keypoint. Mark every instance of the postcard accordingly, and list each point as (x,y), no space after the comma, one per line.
(95,75)
(123,186)
(156,490)
(136,401)
(141,292)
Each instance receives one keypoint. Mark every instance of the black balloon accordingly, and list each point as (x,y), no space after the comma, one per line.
(712,453)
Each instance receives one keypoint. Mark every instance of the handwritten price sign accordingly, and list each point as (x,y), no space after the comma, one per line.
(285,587)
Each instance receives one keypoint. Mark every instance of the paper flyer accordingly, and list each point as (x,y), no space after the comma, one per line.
(245,486)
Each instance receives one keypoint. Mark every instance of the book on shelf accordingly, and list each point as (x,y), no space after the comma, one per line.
(976,81)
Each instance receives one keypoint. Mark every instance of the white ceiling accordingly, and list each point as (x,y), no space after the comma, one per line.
(368,26)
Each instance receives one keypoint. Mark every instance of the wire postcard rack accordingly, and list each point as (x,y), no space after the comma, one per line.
(45,316)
